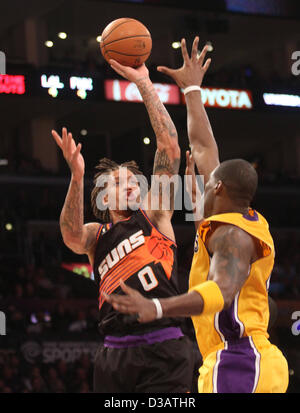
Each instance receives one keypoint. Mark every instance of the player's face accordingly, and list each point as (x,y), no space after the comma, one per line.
(123,187)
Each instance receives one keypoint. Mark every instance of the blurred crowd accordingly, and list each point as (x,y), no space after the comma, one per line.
(18,376)
(285,279)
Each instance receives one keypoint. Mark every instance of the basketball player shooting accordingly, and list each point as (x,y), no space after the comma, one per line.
(136,245)
(231,268)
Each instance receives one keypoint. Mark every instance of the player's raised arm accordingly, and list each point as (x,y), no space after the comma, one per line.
(167,156)
(203,144)
(78,237)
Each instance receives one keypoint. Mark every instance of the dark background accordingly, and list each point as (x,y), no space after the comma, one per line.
(253,43)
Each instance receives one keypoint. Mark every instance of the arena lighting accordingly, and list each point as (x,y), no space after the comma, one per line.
(83,132)
(146,140)
(176,45)
(12,84)
(62,35)
(49,43)
(8,226)
(210,46)
(277,99)
(3,162)
(98,38)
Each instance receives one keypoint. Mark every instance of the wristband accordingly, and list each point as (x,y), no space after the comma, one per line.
(159,312)
(191,89)
(212,297)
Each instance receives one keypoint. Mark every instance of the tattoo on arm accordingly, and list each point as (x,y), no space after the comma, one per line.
(71,218)
(163,164)
(163,127)
(159,116)
(232,253)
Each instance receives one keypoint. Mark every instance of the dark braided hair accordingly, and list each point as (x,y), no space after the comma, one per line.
(106,166)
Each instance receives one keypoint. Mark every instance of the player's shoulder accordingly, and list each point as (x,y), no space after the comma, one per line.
(92,226)
(230,235)
(92,232)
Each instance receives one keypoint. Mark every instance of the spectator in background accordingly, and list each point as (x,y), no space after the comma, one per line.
(61,319)
(80,324)
(80,377)
(54,383)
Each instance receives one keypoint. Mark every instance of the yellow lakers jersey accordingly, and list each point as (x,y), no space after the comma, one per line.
(249,312)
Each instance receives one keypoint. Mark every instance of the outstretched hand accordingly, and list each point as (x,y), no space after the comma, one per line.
(130,73)
(193,70)
(71,152)
(132,303)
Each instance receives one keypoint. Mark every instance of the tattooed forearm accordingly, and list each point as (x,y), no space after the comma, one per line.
(163,164)
(161,121)
(71,218)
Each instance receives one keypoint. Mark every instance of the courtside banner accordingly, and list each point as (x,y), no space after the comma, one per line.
(124,91)
(225,98)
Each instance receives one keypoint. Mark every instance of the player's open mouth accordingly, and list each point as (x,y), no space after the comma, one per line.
(131,196)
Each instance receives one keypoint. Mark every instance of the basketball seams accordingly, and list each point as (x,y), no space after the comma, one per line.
(131,44)
(126,54)
(120,24)
(128,37)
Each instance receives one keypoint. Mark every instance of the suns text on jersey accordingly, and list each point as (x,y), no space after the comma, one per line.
(123,248)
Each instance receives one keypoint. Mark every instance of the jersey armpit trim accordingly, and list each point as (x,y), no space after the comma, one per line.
(148,219)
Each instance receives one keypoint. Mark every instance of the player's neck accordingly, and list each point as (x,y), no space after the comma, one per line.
(227,206)
(117,216)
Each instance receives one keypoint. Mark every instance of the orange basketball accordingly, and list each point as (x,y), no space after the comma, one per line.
(127,41)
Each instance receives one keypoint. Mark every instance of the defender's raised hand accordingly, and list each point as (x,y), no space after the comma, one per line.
(193,70)
(71,153)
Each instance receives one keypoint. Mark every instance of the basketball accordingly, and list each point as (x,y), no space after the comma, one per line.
(127,41)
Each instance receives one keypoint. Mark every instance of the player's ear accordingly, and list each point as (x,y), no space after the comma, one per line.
(105,200)
(218,187)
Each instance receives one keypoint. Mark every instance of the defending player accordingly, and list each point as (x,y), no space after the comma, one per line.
(231,268)
(135,245)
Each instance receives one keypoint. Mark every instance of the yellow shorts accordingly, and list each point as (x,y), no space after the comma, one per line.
(247,365)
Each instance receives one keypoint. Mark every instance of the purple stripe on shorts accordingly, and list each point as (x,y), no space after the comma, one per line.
(229,325)
(237,368)
(157,336)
